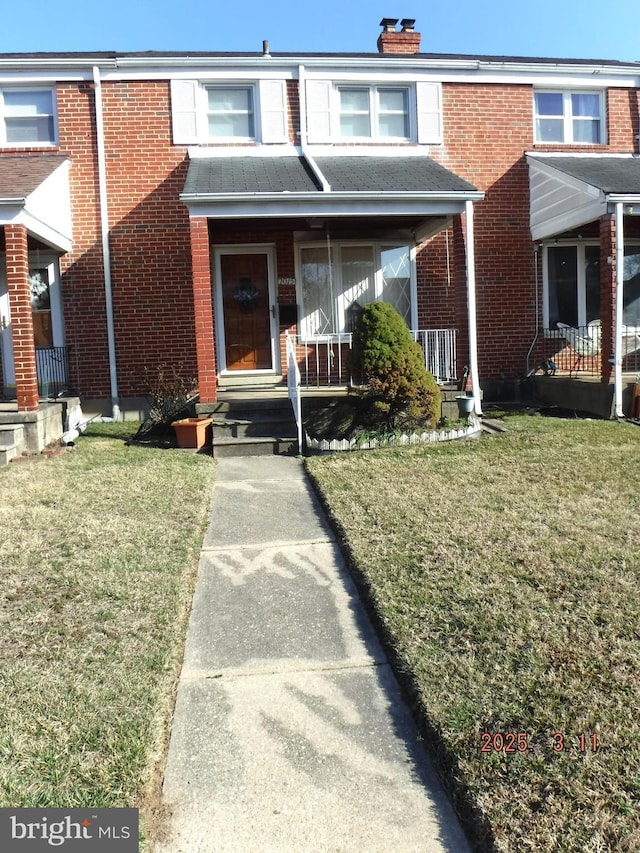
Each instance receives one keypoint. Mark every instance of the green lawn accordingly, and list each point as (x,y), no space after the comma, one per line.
(506,572)
(98,553)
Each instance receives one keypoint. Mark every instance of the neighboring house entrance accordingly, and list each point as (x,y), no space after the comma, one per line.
(48,329)
(245,308)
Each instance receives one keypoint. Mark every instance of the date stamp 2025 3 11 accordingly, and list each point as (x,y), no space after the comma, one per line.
(514,742)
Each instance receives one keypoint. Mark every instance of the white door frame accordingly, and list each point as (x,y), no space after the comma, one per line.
(267,249)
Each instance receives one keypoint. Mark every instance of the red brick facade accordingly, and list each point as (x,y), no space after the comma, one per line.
(161,271)
(20,300)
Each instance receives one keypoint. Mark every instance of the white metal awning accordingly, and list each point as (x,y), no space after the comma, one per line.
(567,191)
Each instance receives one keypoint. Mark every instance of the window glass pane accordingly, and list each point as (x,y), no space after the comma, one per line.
(592,282)
(549,130)
(585,105)
(231,125)
(392,100)
(21,130)
(28,103)
(396,279)
(548,103)
(230,112)
(354,100)
(631,292)
(225,100)
(390,125)
(317,291)
(358,281)
(563,285)
(41,307)
(355,125)
(585,130)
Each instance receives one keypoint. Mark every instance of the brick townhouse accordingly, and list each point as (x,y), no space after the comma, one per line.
(189,209)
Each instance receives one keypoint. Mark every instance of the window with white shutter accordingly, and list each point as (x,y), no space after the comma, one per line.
(339,111)
(229,112)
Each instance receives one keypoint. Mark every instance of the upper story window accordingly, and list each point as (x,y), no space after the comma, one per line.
(374,111)
(342,112)
(569,117)
(230,112)
(27,117)
(226,112)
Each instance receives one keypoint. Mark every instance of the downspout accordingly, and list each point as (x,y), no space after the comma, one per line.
(302,100)
(617,362)
(471,307)
(106,251)
(537,334)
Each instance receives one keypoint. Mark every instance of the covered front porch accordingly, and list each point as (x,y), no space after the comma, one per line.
(585,221)
(35,229)
(291,249)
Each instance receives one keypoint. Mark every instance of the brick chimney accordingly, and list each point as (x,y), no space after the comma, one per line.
(403,42)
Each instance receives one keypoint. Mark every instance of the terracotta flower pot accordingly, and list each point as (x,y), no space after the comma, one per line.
(193,432)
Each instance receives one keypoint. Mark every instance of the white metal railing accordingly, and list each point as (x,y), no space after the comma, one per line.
(579,349)
(293,385)
(323,360)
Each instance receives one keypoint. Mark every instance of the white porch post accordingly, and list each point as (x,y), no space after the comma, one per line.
(617,364)
(471,306)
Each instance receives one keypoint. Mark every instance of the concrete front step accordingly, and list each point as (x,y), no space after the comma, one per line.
(254,446)
(262,424)
(12,442)
(7,453)
(250,425)
(11,434)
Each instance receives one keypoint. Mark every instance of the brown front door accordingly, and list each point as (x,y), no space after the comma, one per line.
(246,306)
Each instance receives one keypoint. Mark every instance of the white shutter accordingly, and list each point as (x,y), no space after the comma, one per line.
(429,99)
(184,111)
(273,111)
(318,111)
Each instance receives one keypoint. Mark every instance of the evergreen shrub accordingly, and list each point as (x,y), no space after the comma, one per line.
(389,366)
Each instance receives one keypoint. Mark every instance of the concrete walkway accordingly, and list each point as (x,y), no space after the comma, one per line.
(289,731)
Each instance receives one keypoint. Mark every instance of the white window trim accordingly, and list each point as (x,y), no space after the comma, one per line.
(190,108)
(374,112)
(567,116)
(377,247)
(203,111)
(34,144)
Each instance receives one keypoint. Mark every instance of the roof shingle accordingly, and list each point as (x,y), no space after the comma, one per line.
(21,175)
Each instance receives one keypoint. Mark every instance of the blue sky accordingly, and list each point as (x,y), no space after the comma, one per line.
(586,29)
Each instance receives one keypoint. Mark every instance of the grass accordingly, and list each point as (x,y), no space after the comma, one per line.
(98,550)
(506,574)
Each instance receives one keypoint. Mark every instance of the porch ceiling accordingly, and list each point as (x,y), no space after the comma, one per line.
(288,186)
(34,192)
(569,191)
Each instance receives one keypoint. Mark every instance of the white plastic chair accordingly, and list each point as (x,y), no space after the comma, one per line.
(583,345)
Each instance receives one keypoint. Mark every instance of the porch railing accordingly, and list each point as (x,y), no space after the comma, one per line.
(324,360)
(293,385)
(578,350)
(52,367)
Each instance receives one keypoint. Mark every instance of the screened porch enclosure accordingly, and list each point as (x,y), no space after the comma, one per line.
(572,307)
(339,279)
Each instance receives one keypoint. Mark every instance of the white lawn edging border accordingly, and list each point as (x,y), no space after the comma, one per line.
(325,445)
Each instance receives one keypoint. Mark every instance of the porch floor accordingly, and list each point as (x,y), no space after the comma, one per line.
(584,393)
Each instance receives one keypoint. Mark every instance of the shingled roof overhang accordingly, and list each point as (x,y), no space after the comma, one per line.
(34,192)
(568,191)
(291,186)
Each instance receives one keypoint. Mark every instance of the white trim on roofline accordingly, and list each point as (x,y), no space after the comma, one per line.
(327,204)
(410,68)
(209,151)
